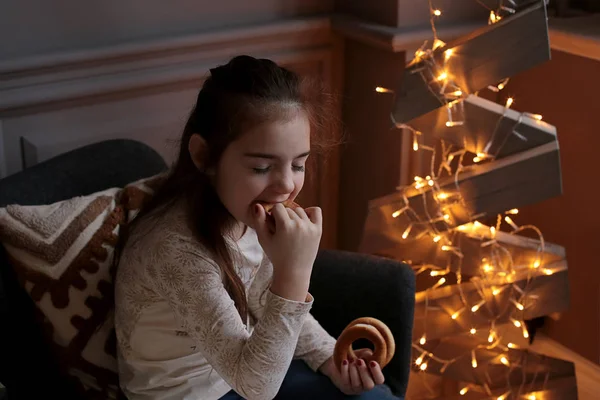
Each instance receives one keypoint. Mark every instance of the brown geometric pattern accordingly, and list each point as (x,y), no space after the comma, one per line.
(63,256)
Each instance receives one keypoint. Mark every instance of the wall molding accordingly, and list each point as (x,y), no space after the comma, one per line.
(579,36)
(76,75)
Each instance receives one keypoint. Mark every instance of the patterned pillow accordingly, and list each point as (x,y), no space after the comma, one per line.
(135,194)
(63,256)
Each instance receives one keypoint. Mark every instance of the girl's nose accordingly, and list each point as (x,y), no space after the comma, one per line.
(284,183)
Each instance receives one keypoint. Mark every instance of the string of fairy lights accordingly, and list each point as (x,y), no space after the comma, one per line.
(498,270)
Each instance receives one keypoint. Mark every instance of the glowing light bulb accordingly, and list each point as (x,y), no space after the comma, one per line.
(415,144)
(492,231)
(407,232)
(548,271)
(537,116)
(477,306)
(442,196)
(504,361)
(516,323)
(446,217)
(397,213)
(491,336)
(464,391)
(430,182)
(496,291)
(519,306)
(445,248)
(458,93)
(423,340)
(473,359)
(419,360)
(536,264)
(532,397)
(380,89)
(456,314)
(437,238)
(525,332)
(423,366)
(473,331)
(448,53)
(439,283)
(442,76)
(513,211)
(437,13)
(504,396)
(512,346)
(511,222)
(509,102)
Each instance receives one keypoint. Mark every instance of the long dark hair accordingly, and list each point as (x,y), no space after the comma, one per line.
(235,97)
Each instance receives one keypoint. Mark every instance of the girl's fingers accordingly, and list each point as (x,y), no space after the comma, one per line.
(355,381)
(345,373)
(365,375)
(376,373)
(301,213)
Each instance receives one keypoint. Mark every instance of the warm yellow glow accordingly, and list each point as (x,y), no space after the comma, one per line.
(501,86)
(525,333)
(488,268)
(456,314)
(419,360)
(477,224)
(495,292)
(446,217)
(397,213)
(473,359)
(423,366)
(503,397)
(439,283)
(415,144)
(536,264)
(477,306)
(419,185)
(518,305)
(442,196)
(492,231)
(406,232)
(418,178)
(430,182)
(464,391)
(547,271)
(516,323)
(437,273)
(537,116)
(514,211)
(442,76)
(504,361)
(380,89)
(476,159)
(492,17)
(445,248)
(423,340)
(437,238)
(450,124)
(448,53)
(509,102)
(457,93)
(532,397)
(491,336)
(437,13)
(473,331)
(512,346)
(511,222)
(437,43)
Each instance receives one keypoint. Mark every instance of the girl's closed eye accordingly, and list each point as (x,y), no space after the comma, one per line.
(264,170)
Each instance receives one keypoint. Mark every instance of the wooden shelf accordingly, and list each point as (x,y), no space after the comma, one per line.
(577,35)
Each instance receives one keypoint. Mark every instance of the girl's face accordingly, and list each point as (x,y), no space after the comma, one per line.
(265,164)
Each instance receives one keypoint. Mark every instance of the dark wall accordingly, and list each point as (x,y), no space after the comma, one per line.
(565,91)
(34,27)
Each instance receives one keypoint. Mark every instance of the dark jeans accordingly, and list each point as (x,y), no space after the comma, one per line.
(303,383)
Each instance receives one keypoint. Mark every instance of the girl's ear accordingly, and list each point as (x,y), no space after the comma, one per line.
(198,149)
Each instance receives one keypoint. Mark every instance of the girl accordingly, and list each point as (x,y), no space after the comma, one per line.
(211,301)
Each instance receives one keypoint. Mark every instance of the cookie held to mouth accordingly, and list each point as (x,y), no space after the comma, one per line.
(269,207)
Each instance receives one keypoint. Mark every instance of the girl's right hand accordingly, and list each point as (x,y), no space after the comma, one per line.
(292,247)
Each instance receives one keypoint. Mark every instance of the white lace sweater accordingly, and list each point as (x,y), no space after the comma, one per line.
(178,331)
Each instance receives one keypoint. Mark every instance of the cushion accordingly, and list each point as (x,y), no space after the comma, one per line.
(62,254)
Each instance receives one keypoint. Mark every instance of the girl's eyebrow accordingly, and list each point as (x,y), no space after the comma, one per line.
(272,156)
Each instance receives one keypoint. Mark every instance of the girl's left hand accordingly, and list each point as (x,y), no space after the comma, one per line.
(354,376)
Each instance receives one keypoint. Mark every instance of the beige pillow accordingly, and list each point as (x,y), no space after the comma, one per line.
(63,255)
